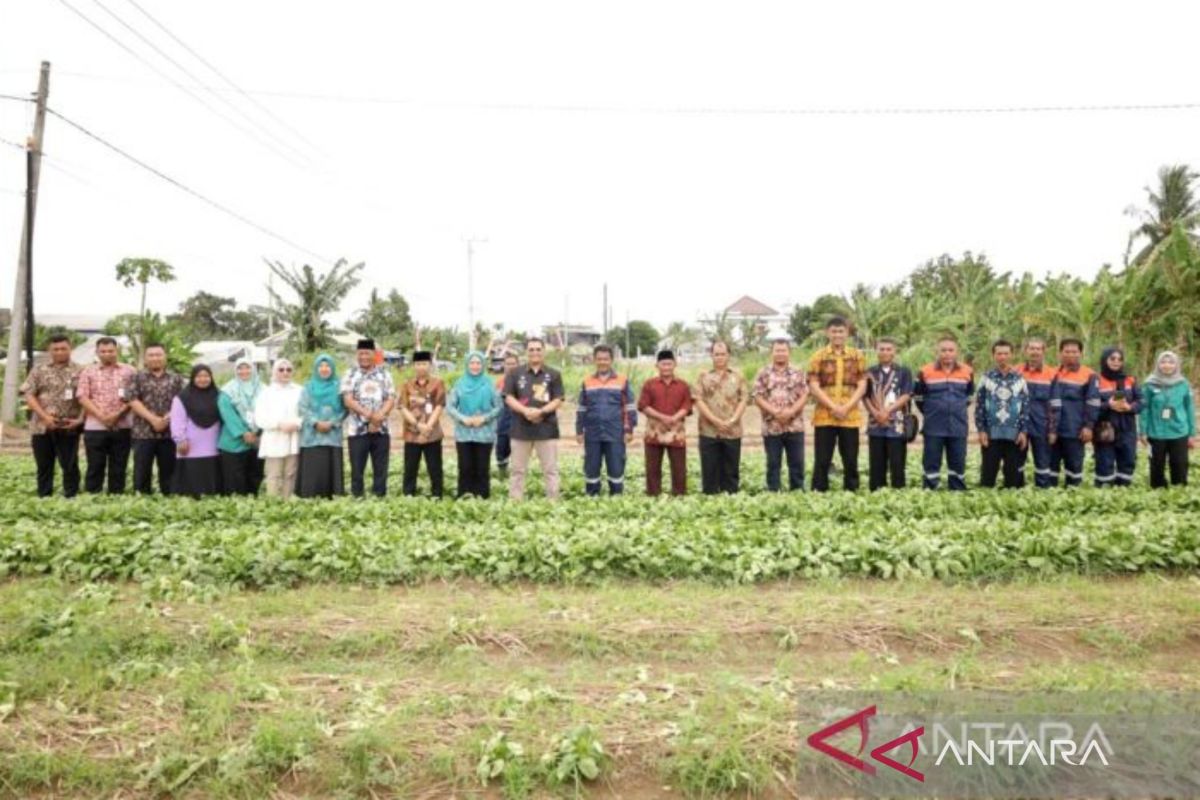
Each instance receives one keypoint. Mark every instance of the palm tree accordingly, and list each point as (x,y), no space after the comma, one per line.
(1173,204)
(316,296)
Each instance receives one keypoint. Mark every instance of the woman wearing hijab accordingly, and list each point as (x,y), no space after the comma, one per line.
(475,406)
(277,414)
(241,471)
(195,427)
(1168,420)
(1115,436)
(321,416)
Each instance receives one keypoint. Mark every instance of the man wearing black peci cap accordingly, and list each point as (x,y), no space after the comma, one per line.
(422,401)
(370,394)
(667,402)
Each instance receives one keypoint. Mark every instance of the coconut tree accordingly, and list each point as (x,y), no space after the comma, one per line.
(1172,204)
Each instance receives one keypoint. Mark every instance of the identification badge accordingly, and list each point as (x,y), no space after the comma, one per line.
(1166,413)
(121,394)
(429,408)
(68,394)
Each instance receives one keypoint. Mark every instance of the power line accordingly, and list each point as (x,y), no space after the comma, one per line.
(222,75)
(170,60)
(183,88)
(185,188)
(15,97)
(702,110)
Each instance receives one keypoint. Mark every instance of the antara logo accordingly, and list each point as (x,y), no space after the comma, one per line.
(1016,746)
(817,741)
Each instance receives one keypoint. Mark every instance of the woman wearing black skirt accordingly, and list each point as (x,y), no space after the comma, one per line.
(195,427)
(321,415)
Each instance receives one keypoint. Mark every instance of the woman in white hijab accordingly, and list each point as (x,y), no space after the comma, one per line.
(277,413)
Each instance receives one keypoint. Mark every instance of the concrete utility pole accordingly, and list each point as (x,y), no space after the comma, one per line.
(22,310)
(471,242)
(604,317)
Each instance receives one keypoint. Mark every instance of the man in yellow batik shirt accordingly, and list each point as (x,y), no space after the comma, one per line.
(837,378)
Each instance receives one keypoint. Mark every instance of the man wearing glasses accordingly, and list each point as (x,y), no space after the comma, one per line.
(534,393)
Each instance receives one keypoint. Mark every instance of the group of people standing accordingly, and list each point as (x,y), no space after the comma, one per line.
(203,440)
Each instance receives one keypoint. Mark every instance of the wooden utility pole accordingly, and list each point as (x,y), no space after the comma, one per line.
(22,312)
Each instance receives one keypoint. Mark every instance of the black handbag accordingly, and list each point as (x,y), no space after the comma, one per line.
(911,426)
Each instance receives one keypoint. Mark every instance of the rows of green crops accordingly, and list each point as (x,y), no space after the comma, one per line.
(746,538)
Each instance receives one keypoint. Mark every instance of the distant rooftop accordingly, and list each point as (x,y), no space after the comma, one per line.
(747,306)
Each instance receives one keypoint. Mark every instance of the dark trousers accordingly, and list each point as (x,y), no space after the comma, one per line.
(474,468)
(1006,452)
(148,452)
(1168,451)
(654,459)
(825,438)
(61,447)
(1115,461)
(375,446)
(778,444)
(1067,455)
(612,456)
(720,464)
(241,473)
(886,456)
(107,455)
(432,453)
(503,450)
(955,448)
(1043,476)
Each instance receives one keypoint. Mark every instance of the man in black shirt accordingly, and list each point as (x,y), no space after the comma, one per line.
(534,393)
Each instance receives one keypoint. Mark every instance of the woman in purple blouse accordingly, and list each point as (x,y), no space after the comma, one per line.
(195,426)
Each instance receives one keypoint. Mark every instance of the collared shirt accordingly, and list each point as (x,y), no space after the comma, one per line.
(156,393)
(781,389)
(606,411)
(421,397)
(722,391)
(838,374)
(1040,383)
(108,388)
(1002,405)
(54,387)
(665,397)
(534,389)
(371,388)
(885,385)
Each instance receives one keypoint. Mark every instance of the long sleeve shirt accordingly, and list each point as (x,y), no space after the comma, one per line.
(485,433)
(277,406)
(1168,412)
(943,395)
(233,427)
(310,415)
(1074,402)
(202,442)
(606,409)
(1002,405)
(1124,422)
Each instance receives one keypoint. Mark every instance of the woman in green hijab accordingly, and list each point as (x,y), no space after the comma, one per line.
(474,405)
(241,469)
(1168,420)
(321,416)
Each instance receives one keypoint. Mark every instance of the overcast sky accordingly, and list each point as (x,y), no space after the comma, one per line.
(625,142)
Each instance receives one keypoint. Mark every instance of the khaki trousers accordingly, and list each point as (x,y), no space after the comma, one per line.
(547,455)
(281,476)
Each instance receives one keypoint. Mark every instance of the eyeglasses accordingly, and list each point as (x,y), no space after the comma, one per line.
(285,369)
